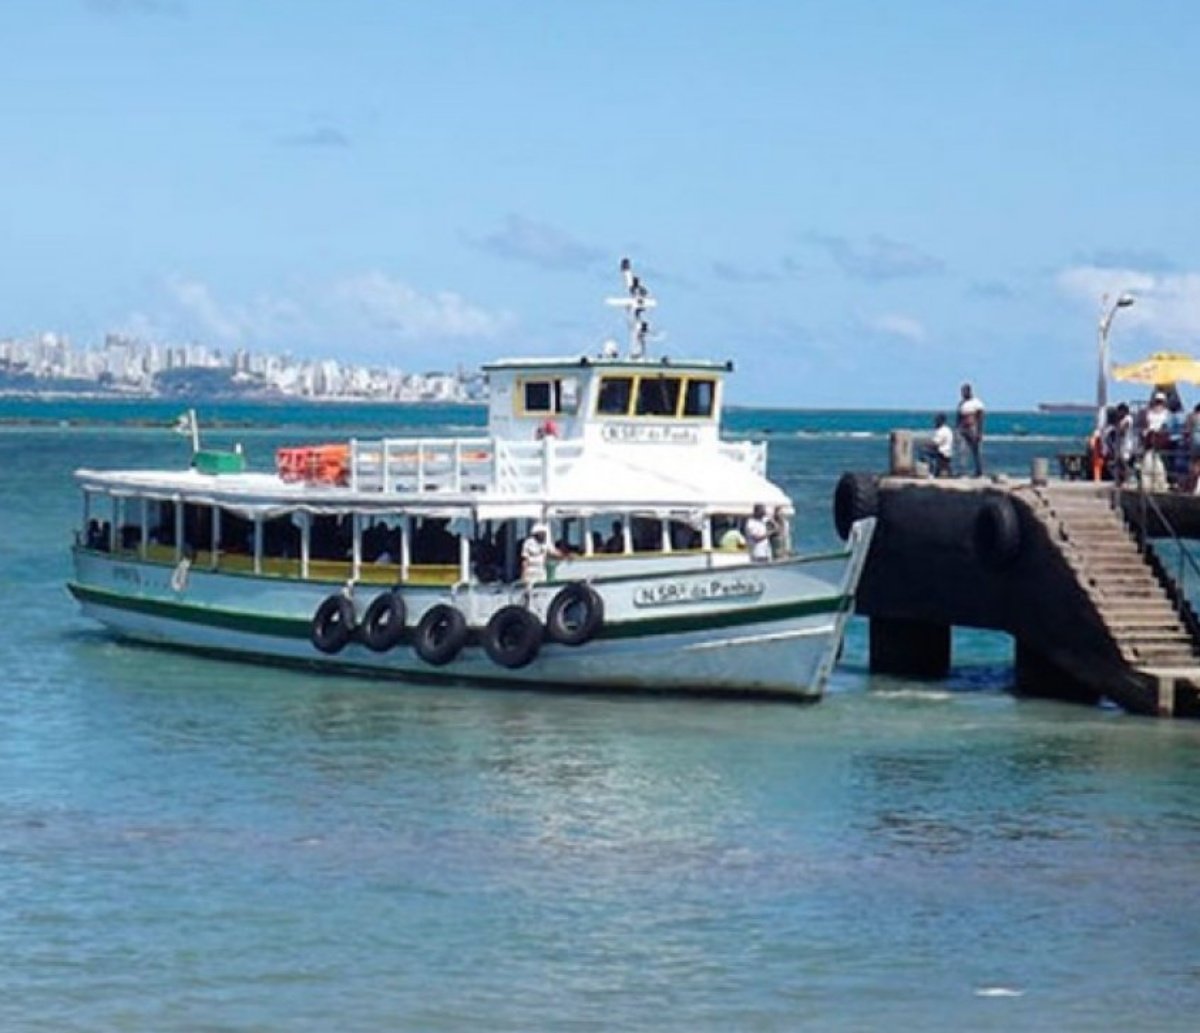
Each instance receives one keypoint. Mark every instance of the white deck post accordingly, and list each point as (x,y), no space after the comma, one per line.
(258,543)
(355,546)
(354,464)
(305,543)
(464,558)
(405,547)
(216,536)
(178,527)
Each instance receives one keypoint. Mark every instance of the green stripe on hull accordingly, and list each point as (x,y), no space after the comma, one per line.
(297,628)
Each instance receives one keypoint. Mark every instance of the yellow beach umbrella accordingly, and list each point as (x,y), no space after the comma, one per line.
(1160,369)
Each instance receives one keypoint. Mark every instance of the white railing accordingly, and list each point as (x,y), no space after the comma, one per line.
(456,465)
(416,465)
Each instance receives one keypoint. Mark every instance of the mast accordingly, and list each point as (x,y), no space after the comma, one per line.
(639,300)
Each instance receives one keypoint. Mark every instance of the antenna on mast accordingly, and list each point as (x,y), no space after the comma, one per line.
(635,305)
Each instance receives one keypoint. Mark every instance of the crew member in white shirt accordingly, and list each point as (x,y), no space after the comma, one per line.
(535,550)
(759,530)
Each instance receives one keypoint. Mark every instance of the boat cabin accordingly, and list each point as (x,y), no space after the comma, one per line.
(620,455)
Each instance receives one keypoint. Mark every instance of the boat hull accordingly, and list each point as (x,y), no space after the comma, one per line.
(769,630)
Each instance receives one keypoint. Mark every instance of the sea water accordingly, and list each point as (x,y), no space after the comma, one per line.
(192,844)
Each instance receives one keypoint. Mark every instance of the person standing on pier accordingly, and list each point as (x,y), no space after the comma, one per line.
(970,426)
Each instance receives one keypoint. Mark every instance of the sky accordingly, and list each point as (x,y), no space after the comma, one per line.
(863,204)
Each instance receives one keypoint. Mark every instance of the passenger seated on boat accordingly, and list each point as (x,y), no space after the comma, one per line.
(731,540)
(96,537)
(616,540)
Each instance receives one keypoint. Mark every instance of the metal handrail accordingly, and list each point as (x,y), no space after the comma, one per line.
(1176,587)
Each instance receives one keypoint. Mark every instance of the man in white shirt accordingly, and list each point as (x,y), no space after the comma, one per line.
(759,530)
(970,426)
(940,449)
(535,550)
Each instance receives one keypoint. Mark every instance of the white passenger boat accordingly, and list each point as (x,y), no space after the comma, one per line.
(402,557)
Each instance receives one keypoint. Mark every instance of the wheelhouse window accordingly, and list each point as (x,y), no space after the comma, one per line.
(551,396)
(538,398)
(657,396)
(699,397)
(615,395)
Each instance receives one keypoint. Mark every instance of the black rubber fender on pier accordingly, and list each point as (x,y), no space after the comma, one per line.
(575,614)
(440,634)
(382,625)
(856,496)
(513,636)
(333,624)
(997,535)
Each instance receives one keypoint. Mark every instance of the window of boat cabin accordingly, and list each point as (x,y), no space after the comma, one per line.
(657,396)
(615,395)
(197,528)
(160,521)
(699,397)
(549,396)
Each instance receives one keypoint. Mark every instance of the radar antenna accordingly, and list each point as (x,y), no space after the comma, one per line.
(635,305)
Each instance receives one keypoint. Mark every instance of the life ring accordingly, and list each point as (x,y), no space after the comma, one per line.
(179,576)
(382,625)
(575,614)
(513,636)
(856,496)
(997,533)
(333,624)
(440,634)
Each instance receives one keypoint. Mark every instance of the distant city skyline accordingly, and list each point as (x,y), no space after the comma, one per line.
(860,204)
(50,362)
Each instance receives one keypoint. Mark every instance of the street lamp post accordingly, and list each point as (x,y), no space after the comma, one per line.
(1107,312)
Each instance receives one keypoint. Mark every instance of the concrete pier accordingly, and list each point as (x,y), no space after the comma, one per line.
(1055,565)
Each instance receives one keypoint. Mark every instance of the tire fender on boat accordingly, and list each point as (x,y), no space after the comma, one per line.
(575,614)
(856,496)
(513,636)
(333,624)
(997,533)
(382,625)
(440,634)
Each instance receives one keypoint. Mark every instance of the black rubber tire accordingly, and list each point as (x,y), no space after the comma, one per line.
(575,615)
(997,533)
(382,625)
(513,636)
(440,634)
(333,624)
(856,496)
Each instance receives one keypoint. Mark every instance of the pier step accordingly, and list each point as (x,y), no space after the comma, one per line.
(1123,587)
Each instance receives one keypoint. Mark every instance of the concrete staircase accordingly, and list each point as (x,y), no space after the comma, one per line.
(1139,614)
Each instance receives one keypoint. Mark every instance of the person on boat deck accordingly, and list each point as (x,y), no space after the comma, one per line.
(759,531)
(616,540)
(939,450)
(970,426)
(535,550)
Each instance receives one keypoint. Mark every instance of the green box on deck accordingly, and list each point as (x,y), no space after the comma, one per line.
(209,460)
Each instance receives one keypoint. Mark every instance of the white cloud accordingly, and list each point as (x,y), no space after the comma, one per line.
(357,316)
(1167,306)
(385,303)
(538,243)
(894,324)
(263,318)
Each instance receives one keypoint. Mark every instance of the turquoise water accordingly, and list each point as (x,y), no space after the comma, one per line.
(189,844)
